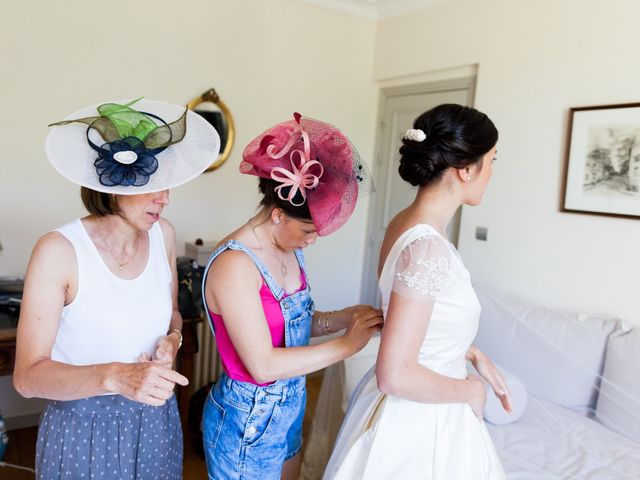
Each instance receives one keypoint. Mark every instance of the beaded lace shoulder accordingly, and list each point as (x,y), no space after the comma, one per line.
(423,267)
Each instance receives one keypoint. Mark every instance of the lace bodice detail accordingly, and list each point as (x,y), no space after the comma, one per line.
(423,268)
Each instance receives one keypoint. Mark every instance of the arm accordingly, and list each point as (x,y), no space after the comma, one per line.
(232,289)
(167,346)
(50,283)
(421,272)
(326,323)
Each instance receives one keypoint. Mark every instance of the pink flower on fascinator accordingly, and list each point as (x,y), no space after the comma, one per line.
(297,179)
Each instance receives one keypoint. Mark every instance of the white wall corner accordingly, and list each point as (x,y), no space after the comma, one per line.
(366,9)
(374,10)
(395,8)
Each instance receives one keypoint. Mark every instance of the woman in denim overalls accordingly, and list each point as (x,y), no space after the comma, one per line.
(258,301)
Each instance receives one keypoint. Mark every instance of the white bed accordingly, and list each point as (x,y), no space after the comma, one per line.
(550,442)
(582,414)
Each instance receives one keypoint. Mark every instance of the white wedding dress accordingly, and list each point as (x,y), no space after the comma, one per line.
(386,437)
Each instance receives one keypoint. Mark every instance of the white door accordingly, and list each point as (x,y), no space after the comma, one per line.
(399,107)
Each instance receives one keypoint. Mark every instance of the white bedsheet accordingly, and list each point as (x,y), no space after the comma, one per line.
(550,442)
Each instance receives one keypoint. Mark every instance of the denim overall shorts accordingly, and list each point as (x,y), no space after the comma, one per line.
(250,430)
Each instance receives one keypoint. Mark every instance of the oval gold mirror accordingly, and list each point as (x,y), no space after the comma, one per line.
(213,109)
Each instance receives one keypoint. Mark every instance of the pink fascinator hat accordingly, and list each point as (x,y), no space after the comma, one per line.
(313,163)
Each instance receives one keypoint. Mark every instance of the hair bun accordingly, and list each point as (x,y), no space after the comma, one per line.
(413,165)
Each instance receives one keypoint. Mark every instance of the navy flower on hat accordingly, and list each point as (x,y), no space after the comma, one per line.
(125,162)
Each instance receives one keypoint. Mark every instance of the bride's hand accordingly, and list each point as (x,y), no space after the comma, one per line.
(477,395)
(491,374)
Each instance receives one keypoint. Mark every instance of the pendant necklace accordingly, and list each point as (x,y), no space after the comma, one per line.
(120,263)
(283,266)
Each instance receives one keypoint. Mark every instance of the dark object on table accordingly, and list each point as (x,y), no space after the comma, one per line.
(190,287)
(10,299)
(9,285)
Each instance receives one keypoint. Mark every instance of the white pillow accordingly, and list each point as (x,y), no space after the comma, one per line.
(619,400)
(493,411)
(557,355)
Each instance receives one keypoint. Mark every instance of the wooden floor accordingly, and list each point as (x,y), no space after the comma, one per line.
(22,444)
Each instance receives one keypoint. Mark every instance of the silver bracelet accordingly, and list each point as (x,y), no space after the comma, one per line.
(323,323)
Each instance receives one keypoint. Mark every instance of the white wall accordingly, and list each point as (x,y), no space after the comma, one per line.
(536,59)
(266,60)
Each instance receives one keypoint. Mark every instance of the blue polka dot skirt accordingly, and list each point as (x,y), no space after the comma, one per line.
(109,437)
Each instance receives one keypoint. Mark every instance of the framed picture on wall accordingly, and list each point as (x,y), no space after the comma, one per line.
(602,165)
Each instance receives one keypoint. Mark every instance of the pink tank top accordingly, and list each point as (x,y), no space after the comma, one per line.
(231,362)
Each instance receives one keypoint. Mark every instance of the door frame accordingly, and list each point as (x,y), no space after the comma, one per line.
(379,174)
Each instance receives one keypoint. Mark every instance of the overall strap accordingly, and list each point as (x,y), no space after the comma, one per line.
(303,267)
(277,292)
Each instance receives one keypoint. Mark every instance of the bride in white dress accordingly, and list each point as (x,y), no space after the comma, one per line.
(417,414)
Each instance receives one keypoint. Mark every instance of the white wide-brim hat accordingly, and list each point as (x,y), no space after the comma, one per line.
(72,156)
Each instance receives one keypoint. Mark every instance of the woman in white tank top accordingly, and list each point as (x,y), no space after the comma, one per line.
(99,327)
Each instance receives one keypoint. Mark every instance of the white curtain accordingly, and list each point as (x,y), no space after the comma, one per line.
(325,424)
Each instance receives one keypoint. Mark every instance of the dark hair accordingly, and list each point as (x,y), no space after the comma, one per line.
(457,137)
(270,198)
(99,204)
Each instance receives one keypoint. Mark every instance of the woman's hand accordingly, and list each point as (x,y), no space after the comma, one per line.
(346,316)
(363,322)
(148,381)
(477,395)
(167,349)
(491,374)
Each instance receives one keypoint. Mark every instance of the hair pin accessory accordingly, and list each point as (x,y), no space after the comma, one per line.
(415,134)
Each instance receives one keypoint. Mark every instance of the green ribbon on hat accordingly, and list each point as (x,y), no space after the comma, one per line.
(121,121)
(127,121)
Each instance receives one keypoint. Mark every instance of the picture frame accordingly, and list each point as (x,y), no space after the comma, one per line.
(602,161)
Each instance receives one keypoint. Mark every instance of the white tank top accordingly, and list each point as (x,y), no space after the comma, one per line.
(111,319)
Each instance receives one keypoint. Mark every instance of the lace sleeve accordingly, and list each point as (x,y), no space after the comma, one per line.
(422,269)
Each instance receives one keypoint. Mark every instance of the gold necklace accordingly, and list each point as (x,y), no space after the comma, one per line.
(120,263)
(283,266)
